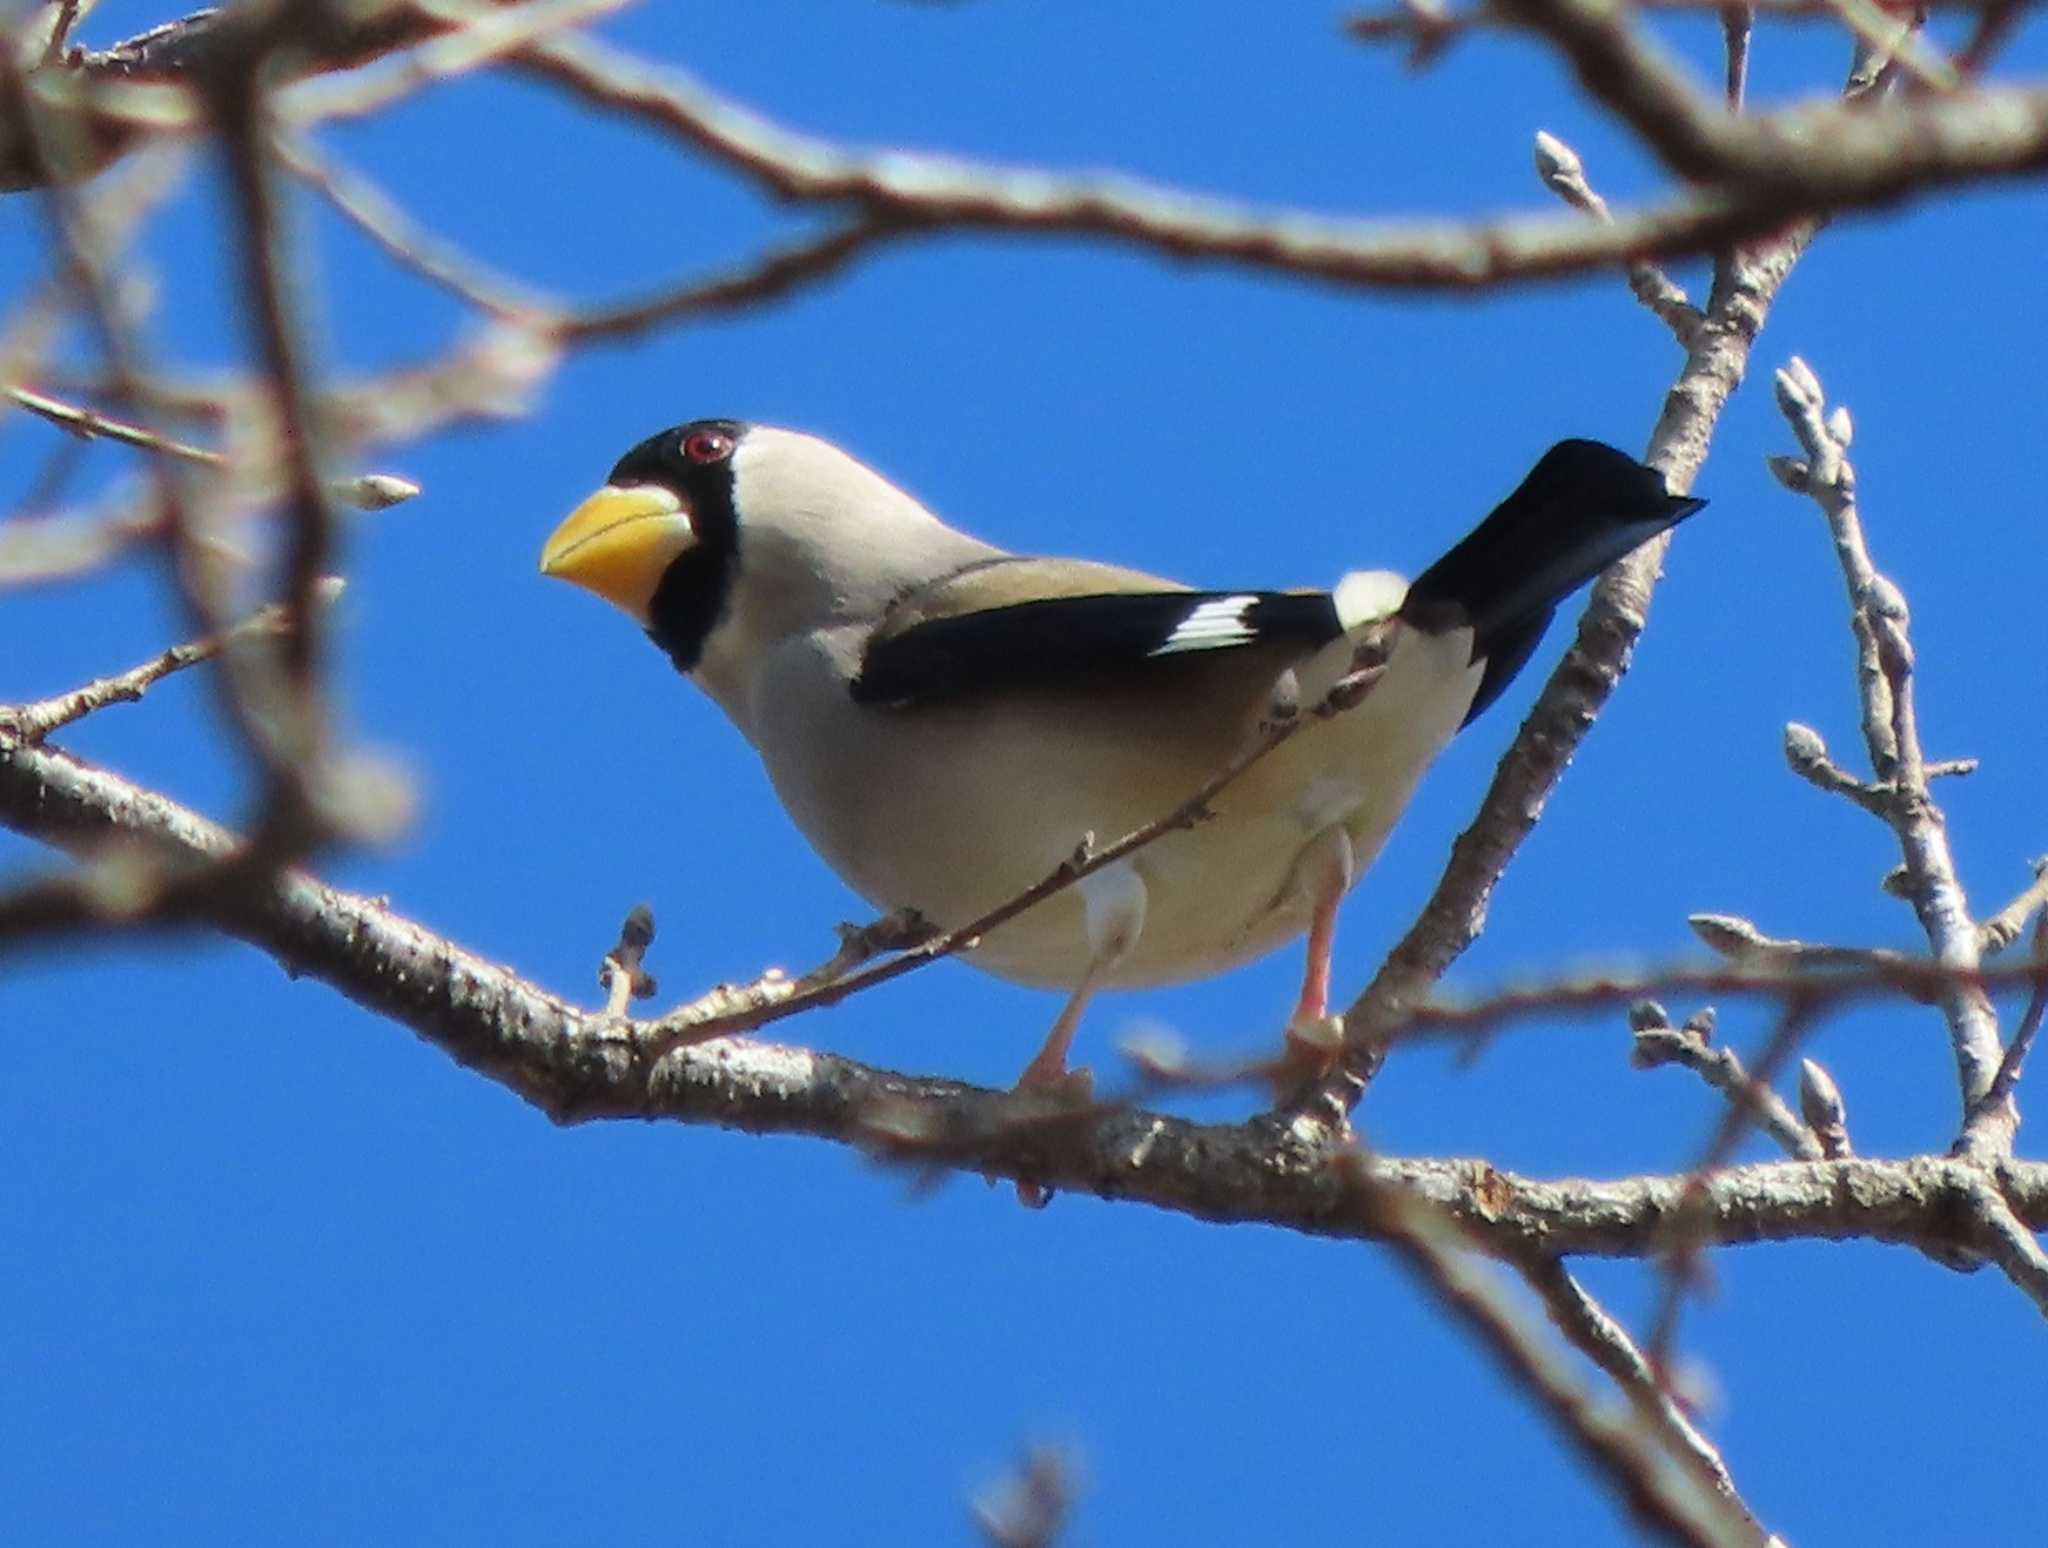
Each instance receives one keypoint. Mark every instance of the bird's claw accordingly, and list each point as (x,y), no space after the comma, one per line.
(1069,1088)
(1314,1046)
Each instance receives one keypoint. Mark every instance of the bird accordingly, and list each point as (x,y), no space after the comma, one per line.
(946,721)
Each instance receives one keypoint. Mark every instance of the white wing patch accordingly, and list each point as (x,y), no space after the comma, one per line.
(1210,626)
(1367,596)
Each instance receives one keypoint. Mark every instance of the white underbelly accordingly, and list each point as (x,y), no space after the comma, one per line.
(952,812)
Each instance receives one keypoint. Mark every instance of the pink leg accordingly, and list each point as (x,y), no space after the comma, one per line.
(1048,1070)
(1315,983)
(1113,906)
(1324,872)
(1327,866)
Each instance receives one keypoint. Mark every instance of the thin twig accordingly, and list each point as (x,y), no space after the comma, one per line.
(1590,1328)
(1738,23)
(1658,1043)
(411,245)
(111,99)
(1996,22)
(1656,1472)
(1797,1017)
(120,206)
(1753,176)
(1571,699)
(32,722)
(1765,174)
(1881,37)
(775,996)
(1564,174)
(578,1067)
(1396,23)
(64,546)
(1879,618)
(90,424)
(237,93)
(728,1009)
(365,491)
(1886,43)
(2010,922)
(2014,1061)
(60,465)
(775,273)
(81,238)
(620,974)
(2008,1243)
(44,35)
(453,40)
(1733,937)
(1807,756)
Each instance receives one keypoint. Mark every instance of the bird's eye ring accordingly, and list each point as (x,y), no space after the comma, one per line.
(707,446)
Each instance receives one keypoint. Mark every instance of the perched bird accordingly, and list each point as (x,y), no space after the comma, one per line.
(946,721)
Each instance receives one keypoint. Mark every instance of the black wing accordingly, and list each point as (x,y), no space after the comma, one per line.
(1060,639)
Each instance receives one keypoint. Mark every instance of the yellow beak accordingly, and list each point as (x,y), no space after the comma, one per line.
(618,543)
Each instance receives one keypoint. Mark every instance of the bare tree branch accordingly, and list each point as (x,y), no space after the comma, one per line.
(56,149)
(365,491)
(1807,755)
(1753,190)
(775,273)
(1572,698)
(412,246)
(315,39)
(1657,1042)
(1762,174)
(1657,1470)
(1589,1327)
(2015,1058)
(1891,730)
(2007,1242)
(772,1000)
(1756,176)
(2010,922)
(33,722)
(1428,29)
(1564,174)
(291,704)
(578,1066)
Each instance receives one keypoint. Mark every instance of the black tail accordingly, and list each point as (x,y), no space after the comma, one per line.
(1581,508)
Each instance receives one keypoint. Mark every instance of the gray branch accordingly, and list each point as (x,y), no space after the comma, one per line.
(578,1066)
(1885,669)
(1746,177)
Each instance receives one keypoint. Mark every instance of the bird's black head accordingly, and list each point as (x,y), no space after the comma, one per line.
(694,462)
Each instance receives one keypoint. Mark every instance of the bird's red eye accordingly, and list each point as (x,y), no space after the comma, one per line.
(704,446)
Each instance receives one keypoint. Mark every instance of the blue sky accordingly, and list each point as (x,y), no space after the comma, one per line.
(279,1271)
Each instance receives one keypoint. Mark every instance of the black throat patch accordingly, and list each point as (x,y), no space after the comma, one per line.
(693,591)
